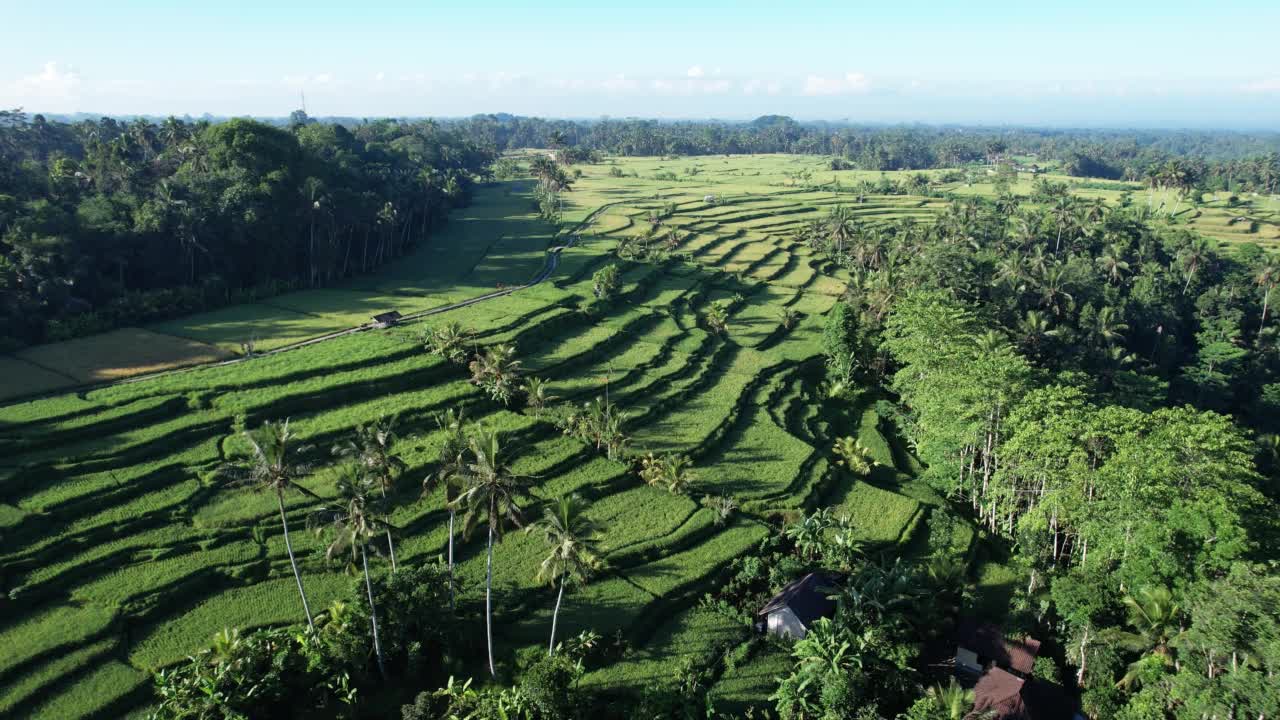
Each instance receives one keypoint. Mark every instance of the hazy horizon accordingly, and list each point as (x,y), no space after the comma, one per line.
(1089,65)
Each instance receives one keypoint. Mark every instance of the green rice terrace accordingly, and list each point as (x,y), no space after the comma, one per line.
(124,551)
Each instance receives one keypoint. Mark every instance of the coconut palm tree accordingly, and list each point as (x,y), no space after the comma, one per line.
(537,395)
(492,493)
(448,473)
(954,700)
(1034,331)
(570,536)
(497,372)
(1053,289)
(449,341)
(1107,328)
(1011,272)
(853,455)
(372,449)
(1063,211)
(1267,277)
(1156,622)
(841,227)
(271,467)
(1193,257)
(354,524)
(717,317)
(1113,264)
(556,140)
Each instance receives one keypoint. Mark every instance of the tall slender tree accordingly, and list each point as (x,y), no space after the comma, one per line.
(841,227)
(354,524)
(448,473)
(1266,278)
(271,467)
(573,558)
(492,493)
(372,446)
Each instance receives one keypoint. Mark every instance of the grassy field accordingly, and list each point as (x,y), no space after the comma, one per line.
(124,555)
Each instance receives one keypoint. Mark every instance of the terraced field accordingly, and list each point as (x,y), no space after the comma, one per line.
(498,241)
(123,553)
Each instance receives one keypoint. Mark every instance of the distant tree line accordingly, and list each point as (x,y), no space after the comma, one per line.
(1222,159)
(105,223)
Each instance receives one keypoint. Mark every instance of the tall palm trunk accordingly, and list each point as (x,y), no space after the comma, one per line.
(288,545)
(391,546)
(488,606)
(311,251)
(451,586)
(1266,299)
(373,612)
(555,615)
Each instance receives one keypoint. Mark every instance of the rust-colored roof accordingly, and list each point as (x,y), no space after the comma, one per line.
(1000,693)
(1022,654)
(988,641)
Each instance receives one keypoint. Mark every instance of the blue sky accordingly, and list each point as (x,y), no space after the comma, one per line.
(1084,63)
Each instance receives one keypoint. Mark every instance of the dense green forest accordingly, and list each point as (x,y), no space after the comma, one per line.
(1215,159)
(1064,380)
(110,223)
(1149,316)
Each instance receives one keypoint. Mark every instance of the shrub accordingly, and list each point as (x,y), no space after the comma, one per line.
(497,372)
(449,341)
(460,700)
(853,456)
(267,673)
(717,317)
(674,472)
(604,283)
(547,686)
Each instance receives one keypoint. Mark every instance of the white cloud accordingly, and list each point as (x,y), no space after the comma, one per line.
(756,86)
(619,83)
(850,83)
(695,72)
(691,86)
(379,76)
(51,83)
(502,80)
(1270,85)
(304,81)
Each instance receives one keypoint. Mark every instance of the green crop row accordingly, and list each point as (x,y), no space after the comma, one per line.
(273,602)
(23,691)
(694,528)
(95,693)
(150,575)
(47,633)
(748,686)
(696,635)
(672,573)
(880,516)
